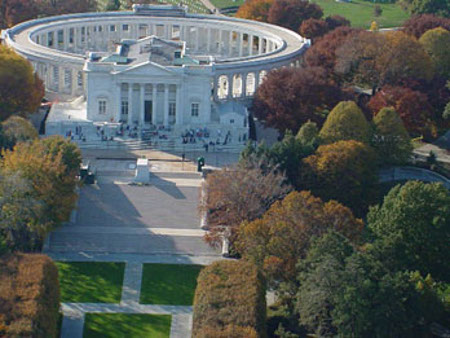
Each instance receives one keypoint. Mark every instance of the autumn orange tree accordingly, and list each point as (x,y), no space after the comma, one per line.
(255,10)
(344,171)
(238,194)
(21,91)
(282,236)
(372,60)
(37,191)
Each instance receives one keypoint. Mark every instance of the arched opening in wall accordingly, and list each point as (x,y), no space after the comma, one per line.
(251,84)
(262,76)
(222,87)
(237,85)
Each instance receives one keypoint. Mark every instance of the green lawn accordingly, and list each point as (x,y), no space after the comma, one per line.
(169,284)
(360,13)
(118,325)
(91,282)
(227,3)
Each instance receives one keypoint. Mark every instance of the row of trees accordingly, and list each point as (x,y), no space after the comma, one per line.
(398,71)
(335,275)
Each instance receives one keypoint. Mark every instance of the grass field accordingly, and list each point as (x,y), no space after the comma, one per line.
(118,325)
(90,282)
(169,284)
(226,3)
(360,13)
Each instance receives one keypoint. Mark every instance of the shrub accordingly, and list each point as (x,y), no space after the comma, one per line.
(29,296)
(229,301)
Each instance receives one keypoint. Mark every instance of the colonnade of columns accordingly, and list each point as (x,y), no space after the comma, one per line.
(242,84)
(222,41)
(64,79)
(149,103)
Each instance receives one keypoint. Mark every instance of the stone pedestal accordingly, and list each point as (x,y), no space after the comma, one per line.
(142,173)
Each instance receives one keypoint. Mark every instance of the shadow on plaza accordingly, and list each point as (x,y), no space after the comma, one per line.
(127,215)
(161,204)
(167,187)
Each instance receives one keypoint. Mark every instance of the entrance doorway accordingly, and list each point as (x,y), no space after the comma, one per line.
(148,111)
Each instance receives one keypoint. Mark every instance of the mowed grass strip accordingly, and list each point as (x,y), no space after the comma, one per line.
(361,13)
(119,325)
(169,284)
(90,282)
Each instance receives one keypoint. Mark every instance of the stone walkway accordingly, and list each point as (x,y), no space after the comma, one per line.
(116,222)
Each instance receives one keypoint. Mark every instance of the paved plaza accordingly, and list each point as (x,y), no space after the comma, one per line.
(116,221)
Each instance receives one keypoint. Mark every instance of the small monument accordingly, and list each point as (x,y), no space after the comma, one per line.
(142,173)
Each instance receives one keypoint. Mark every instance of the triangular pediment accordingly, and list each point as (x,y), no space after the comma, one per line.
(147,68)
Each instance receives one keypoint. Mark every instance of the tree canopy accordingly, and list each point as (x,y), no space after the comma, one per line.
(372,60)
(391,140)
(438,7)
(343,171)
(346,122)
(437,44)
(16,129)
(413,107)
(291,13)
(288,98)
(417,25)
(238,194)
(276,241)
(21,91)
(37,190)
(255,10)
(412,228)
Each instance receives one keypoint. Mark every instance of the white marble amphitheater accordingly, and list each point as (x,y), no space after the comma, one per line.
(155,70)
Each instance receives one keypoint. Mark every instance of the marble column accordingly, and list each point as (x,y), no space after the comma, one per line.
(118,102)
(130,103)
(178,110)
(230,44)
(197,37)
(142,103)
(241,44)
(250,45)
(154,97)
(166,104)
(208,40)
(260,45)
(74,82)
(244,84)
(230,86)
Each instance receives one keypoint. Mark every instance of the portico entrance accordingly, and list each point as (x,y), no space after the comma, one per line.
(148,116)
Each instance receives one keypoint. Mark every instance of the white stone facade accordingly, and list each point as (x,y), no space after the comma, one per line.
(223,62)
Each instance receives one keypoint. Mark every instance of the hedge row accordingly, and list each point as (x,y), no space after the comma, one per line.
(29,296)
(230,301)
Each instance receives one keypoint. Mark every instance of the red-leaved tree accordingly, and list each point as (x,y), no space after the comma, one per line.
(290,97)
